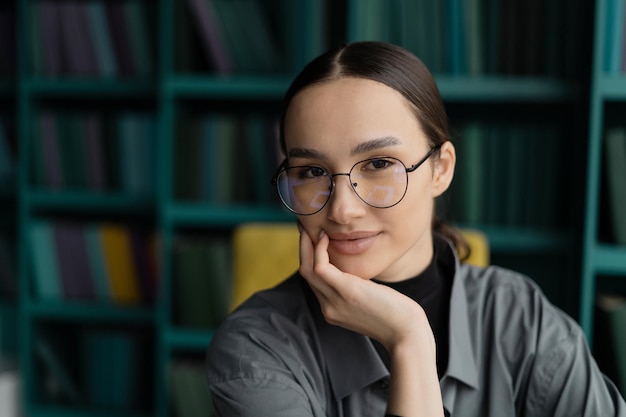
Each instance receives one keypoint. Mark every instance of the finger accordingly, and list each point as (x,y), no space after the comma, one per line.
(306,253)
(321,259)
(307,266)
(321,249)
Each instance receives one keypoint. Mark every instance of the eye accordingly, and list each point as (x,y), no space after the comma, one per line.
(309,172)
(378,164)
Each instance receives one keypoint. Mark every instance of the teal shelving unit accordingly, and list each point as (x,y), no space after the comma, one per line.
(8,204)
(181,86)
(602,258)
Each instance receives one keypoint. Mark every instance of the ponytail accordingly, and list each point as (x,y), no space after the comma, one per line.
(454,235)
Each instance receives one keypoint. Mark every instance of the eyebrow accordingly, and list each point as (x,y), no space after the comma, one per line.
(374,144)
(362,147)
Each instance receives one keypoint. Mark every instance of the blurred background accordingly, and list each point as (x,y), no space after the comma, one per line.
(136,136)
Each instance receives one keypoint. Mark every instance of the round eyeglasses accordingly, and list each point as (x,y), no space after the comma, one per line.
(380,182)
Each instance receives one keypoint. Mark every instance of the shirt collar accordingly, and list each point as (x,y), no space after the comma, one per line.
(351,360)
(461,357)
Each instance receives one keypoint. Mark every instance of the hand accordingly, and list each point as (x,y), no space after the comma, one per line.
(383,314)
(361,305)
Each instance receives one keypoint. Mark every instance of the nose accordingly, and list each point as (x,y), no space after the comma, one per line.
(344,205)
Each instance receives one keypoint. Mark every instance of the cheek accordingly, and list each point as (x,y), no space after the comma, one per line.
(418,202)
(311,225)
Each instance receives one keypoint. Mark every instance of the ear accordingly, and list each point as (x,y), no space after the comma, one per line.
(443,171)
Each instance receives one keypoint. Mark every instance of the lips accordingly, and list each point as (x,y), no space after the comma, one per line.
(351,243)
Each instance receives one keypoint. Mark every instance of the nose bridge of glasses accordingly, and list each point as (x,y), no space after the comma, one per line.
(347,174)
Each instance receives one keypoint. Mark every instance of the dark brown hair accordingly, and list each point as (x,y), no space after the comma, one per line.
(398,69)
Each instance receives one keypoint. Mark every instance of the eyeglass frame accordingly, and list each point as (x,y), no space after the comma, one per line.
(282,167)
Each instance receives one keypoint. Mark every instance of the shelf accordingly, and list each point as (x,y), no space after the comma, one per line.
(611,87)
(524,240)
(45,410)
(609,259)
(230,87)
(452,88)
(91,312)
(88,200)
(225,215)
(87,88)
(188,339)
(505,89)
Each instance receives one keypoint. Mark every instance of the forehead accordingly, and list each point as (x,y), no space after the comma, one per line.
(342,112)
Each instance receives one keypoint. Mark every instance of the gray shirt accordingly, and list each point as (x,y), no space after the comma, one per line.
(511,353)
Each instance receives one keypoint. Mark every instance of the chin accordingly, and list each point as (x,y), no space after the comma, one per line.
(355,266)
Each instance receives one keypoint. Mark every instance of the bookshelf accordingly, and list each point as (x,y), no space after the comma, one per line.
(604,257)
(8,212)
(175,86)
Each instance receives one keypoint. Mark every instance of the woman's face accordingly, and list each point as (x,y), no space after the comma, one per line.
(338,123)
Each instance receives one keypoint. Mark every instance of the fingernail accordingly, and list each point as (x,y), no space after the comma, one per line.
(322,233)
(299,226)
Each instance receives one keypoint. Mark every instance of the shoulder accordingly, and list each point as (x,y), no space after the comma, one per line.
(266,328)
(513,303)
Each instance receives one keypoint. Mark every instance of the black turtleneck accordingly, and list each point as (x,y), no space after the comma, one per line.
(431,289)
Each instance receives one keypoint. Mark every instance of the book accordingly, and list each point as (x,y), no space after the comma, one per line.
(101,35)
(226,169)
(473,36)
(111,368)
(8,266)
(51,38)
(146,270)
(58,372)
(471,172)
(454,41)
(212,38)
(100,272)
(189,389)
(53,173)
(123,279)
(615,157)
(120,35)
(76,51)
(261,46)
(192,285)
(553,28)
(45,268)
(8,56)
(229,23)
(610,338)
(96,177)
(532,37)
(139,36)
(136,153)
(207,159)
(190,147)
(7,167)
(75,140)
(518,160)
(65,141)
(72,256)
(202,270)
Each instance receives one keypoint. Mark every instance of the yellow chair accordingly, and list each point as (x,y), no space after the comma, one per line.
(266,253)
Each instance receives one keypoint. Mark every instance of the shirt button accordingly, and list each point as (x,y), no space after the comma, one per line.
(384,383)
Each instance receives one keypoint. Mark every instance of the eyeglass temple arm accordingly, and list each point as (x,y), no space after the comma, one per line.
(417,165)
(280,168)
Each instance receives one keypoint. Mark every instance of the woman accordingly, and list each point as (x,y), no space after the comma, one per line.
(382,318)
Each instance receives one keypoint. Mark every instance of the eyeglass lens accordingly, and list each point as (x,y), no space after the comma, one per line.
(379,182)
